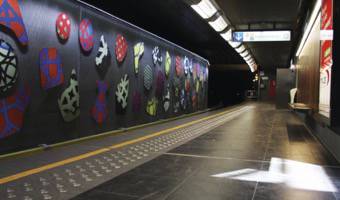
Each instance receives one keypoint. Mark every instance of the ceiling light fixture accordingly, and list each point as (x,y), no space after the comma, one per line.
(240,49)
(219,24)
(234,44)
(205,9)
(248,57)
(244,54)
(252,69)
(311,21)
(251,62)
(227,36)
(209,10)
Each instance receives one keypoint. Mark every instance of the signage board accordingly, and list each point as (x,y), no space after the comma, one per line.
(261,36)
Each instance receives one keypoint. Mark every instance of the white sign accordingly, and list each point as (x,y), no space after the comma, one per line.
(326,35)
(261,36)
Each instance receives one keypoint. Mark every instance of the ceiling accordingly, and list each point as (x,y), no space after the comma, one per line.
(175,21)
(264,15)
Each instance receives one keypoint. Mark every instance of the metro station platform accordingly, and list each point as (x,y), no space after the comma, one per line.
(249,151)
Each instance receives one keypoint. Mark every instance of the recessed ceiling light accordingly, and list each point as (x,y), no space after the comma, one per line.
(219,24)
(244,54)
(227,35)
(205,9)
(234,44)
(240,49)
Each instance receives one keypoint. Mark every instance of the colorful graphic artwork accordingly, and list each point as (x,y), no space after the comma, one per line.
(122,92)
(206,74)
(194,99)
(86,35)
(136,101)
(157,56)
(187,85)
(201,75)
(69,100)
(10,17)
(151,108)
(191,67)
(186,64)
(8,67)
(121,48)
(138,50)
(176,106)
(167,64)
(197,86)
(198,70)
(179,68)
(63,26)
(148,77)
(99,110)
(166,99)
(12,110)
(183,100)
(194,72)
(160,84)
(51,69)
(103,52)
(176,86)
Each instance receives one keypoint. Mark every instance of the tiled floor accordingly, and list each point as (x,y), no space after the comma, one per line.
(261,154)
(63,173)
(248,152)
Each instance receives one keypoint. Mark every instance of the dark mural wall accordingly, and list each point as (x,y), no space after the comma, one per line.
(43,122)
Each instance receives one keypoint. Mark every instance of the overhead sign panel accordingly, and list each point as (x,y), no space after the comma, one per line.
(261,36)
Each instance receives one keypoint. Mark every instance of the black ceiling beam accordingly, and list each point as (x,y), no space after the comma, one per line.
(264,26)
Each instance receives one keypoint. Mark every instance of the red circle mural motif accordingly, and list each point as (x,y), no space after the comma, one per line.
(121,48)
(63,25)
(86,35)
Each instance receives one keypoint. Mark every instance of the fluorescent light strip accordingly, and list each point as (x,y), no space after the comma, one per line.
(205,9)
(244,54)
(252,69)
(240,49)
(251,62)
(312,19)
(219,24)
(247,57)
(234,44)
(227,36)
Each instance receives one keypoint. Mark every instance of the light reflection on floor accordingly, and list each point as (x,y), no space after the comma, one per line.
(294,174)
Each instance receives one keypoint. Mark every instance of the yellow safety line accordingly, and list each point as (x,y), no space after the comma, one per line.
(99,151)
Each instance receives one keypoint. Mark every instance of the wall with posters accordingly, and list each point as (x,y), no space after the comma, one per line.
(69,70)
(326,57)
(315,63)
(326,126)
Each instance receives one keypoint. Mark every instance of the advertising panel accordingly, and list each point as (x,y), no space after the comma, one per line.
(326,57)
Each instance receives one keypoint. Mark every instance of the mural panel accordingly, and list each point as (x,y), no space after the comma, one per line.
(54,87)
